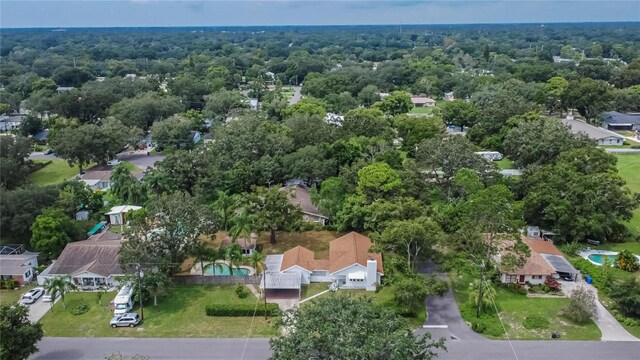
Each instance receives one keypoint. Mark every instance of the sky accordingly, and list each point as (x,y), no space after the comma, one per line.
(146,13)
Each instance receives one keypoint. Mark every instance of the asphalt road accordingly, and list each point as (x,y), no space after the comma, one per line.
(41,156)
(258,349)
(140,159)
(297,95)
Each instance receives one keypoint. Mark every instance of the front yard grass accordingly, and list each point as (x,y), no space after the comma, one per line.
(308,291)
(12,296)
(54,173)
(179,314)
(629,170)
(422,110)
(515,308)
(505,164)
(317,241)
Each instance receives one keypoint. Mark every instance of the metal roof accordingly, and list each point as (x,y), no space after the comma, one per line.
(559,264)
(273,262)
(281,281)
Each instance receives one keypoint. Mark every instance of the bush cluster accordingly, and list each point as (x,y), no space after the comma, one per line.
(487,323)
(535,322)
(241,291)
(8,284)
(79,308)
(515,288)
(241,310)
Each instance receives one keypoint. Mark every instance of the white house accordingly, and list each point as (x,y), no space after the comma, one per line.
(449,96)
(116,216)
(534,271)
(101,179)
(10,122)
(422,101)
(91,263)
(17,264)
(350,265)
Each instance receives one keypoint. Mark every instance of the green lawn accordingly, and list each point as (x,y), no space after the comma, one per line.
(313,289)
(54,173)
(317,241)
(180,314)
(12,296)
(505,164)
(130,166)
(629,169)
(383,297)
(632,246)
(514,308)
(422,110)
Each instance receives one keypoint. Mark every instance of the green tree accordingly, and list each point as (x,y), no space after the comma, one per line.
(364,122)
(19,334)
(414,130)
(348,328)
(369,95)
(172,131)
(554,93)
(224,206)
(581,306)
(409,292)
(625,260)
(242,226)
(482,294)
(233,255)
(59,285)
(378,180)
(459,112)
(14,161)
(590,97)
(309,164)
(51,231)
(155,283)
(411,239)
(306,106)
(341,103)
(331,196)
(398,102)
(223,103)
(273,210)
(126,187)
(76,195)
(310,130)
(626,295)
(20,207)
(30,125)
(144,109)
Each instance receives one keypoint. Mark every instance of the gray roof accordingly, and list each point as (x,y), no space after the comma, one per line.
(559,264)
(94,255)
(281,281)
(273,262)
(301,197)
(614,117)
(593,132)
(14,264)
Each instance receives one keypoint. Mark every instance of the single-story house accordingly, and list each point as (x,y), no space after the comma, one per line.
(552,256)
(10,122)
(60,89)
(334,119)
(116,216)
(300,196)
(90,263)
(422,101)
(247,246)
(100,179)
(534,271)
(614,120)
(449,96)
(17,264)
(350,265)
(602,137)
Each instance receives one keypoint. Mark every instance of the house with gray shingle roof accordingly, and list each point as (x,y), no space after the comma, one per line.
(602,137)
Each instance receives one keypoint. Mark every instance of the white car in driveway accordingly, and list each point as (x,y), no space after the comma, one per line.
(48,298)
(32,296)
(113,162)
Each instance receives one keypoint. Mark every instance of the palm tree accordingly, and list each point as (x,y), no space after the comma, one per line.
(223,207)
(482,293)
(233,253)
(257,260)
(215,255)
(59,285)
(201,253)
(242,226)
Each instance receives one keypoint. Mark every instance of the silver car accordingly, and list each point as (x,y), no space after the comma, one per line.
(48,298)
(128,319)
(32,296)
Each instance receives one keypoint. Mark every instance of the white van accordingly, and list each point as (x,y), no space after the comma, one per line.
(490,155)
(123,302)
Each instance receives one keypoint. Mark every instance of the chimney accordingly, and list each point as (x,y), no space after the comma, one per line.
(372,275)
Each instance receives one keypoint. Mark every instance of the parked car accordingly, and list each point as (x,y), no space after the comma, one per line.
(567,277)
(47,296)
(128,319)
(48,151)
(32,296)
(113,162)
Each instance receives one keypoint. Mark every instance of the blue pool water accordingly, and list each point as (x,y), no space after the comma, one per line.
(599,258)
(224,270)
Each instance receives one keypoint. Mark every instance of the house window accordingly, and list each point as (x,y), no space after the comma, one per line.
(27,274)
(536,277)
(512,278)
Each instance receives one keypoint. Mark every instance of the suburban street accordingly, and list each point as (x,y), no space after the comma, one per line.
(258,349)
(140,158)
(296,95)
(39,155)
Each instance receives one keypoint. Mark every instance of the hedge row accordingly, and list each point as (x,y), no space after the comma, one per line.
(241,310)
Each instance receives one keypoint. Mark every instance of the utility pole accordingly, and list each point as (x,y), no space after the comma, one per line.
(264,282)
(140,274)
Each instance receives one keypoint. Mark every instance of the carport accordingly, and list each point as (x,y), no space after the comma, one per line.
(281,286)
(561,265)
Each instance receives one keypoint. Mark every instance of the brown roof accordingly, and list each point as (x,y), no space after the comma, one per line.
(534,265)
(542,246)
(107,235)
(300,256)
(350,249)
(347,250)
(300,196)
(93,255)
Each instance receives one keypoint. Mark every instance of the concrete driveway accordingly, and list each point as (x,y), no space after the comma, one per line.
(609,327)
(38,309)
(39,155)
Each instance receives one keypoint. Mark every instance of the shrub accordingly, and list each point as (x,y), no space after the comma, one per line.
(241,310)
(552,283)
(9,284)
(488,323)
(241,291)
(79,308)
(535,322)
(626,261)
(582,305)
(515,288)
(571,249)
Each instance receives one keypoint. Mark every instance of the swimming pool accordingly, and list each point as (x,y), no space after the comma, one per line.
(223,270)
(599,258)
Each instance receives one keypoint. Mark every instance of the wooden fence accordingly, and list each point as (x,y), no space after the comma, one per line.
(215,280)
